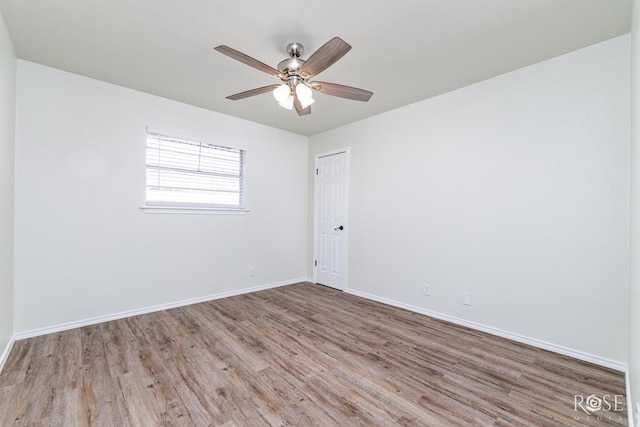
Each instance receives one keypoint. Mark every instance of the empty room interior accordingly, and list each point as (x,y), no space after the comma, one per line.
(320,213)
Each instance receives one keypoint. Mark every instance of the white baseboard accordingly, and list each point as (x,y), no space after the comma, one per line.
(145,310)
(5,354)
(601,361)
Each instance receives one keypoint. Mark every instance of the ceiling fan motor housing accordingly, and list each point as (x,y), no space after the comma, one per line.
(290,66)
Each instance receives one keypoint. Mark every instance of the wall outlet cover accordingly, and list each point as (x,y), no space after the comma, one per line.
(466,298)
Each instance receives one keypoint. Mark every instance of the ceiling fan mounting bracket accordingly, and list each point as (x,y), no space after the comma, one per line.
(295,49)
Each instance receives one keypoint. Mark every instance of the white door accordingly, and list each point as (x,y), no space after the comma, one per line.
(330,220)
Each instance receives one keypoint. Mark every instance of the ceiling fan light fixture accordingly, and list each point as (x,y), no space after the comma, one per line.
(305,103)
(304,92)
(287,102)
(282,92)
(305,95)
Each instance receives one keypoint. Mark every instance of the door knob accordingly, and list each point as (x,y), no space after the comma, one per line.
(339,228)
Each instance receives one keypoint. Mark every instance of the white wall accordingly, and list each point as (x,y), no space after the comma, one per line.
(83,247)
(634,294)
(7,120)
(515,189)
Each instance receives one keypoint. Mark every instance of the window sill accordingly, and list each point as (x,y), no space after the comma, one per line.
(187,210)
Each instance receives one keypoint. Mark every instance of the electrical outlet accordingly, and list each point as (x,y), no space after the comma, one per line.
(466,298)
(252,272)
(427,290)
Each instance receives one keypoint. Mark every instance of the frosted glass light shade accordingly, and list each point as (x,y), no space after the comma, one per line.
(304,92)
(287,102)
(282,92)
(306,102)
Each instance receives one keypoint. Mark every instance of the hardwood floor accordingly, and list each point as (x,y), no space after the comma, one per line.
(300,355)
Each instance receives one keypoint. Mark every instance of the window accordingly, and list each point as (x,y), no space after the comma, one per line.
(189,174)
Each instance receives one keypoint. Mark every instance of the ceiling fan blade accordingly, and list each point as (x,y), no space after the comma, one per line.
(252,92)
(247,60)
(301,111)
(342,91)
(324,57)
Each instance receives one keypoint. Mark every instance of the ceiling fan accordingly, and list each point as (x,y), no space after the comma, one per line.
(297,88)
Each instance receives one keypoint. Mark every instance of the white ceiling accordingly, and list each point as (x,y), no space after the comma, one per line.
(403,50)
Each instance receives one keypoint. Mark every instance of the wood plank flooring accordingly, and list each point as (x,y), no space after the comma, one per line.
(300,355)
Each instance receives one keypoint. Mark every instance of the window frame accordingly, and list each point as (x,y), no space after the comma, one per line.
(169,207)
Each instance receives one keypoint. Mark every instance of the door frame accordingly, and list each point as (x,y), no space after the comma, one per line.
(316,203)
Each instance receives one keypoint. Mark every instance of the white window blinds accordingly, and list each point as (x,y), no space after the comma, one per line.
(189,173)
